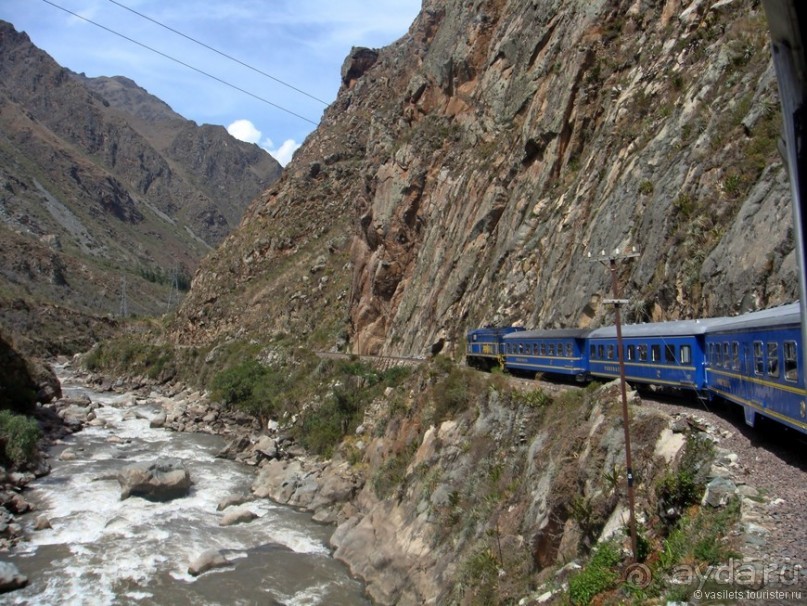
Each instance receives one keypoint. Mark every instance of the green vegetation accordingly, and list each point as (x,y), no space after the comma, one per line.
(684,486)
(478,579)
(252,387)
(600,574)
(453,388)
(18,435)
(127,355)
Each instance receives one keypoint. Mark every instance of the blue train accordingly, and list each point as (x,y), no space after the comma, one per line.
(754,360)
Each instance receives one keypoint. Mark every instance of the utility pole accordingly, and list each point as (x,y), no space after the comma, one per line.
(610,262)
(173,297)
(124,303)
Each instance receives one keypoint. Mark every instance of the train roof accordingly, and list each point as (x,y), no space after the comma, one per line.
(784,315)
(775,316)
(673,328)
(494,331)
(550,333)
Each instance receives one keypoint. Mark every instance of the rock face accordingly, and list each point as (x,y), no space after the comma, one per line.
(464,173)
(161,480)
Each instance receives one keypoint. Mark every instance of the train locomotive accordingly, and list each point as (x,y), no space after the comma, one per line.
(754,360)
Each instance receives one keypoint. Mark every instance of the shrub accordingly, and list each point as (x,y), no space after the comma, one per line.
(599,575)
(19,435)
(250,386)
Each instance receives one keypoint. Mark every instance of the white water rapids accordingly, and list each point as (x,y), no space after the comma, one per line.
(102,550)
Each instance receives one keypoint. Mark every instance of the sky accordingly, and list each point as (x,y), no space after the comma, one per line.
(277,44)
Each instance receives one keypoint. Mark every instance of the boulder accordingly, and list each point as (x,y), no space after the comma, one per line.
(233,499)
(237,516)
(719,492)
(207,560)
(267,447)
(234,448)
(157,420)
(42,522)
(160,480)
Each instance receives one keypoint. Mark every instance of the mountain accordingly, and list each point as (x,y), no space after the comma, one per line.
(465,173)
(108,198)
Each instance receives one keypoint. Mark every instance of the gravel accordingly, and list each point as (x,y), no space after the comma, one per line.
(770,458)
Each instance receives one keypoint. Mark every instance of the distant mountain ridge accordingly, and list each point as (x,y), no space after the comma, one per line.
(102,184)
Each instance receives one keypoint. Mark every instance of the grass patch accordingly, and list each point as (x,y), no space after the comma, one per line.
(600,574)
(19,435)
(128,356)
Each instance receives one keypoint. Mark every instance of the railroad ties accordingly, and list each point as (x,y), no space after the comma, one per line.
(378,362)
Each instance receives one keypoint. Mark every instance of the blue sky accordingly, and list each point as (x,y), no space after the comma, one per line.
(301,42)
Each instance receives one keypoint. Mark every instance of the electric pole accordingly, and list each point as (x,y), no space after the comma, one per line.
(124,303)
(610,262)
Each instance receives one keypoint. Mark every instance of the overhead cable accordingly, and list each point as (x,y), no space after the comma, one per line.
(215,50)
(174,59)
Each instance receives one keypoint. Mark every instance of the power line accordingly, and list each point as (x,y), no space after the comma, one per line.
(215,50)
(174,59)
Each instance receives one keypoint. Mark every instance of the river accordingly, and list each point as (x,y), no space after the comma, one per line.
(102,550)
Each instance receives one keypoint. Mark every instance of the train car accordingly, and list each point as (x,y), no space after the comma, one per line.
(669,355)
(756,360)
(484,346)
(555,352)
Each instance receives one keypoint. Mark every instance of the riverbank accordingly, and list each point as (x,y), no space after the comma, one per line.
(216,545)
(502,496)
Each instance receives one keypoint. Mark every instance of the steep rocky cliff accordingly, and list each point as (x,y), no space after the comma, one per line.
(464,173)
(101,182)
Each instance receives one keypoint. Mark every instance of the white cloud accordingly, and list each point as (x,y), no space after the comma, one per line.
(283,153)
(244,130)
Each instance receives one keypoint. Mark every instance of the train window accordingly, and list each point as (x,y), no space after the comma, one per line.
(773,359)
(521,348)
(686,354)
(759,358)
(601,352)
(726,355)
(592,351)
(669,354)
(735,356)
(610,352)
(569,350)
(630,353)
(642,353)
(655,353)
(550,349)
(791,361)
(711,354)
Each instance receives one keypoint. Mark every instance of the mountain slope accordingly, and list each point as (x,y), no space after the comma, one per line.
(102,184)
(465,172)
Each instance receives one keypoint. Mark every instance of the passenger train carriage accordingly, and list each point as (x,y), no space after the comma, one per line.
(559,352)
(666,354)
(756,360)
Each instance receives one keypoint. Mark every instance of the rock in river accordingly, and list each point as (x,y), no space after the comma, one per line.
(208,560)
(160,480)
